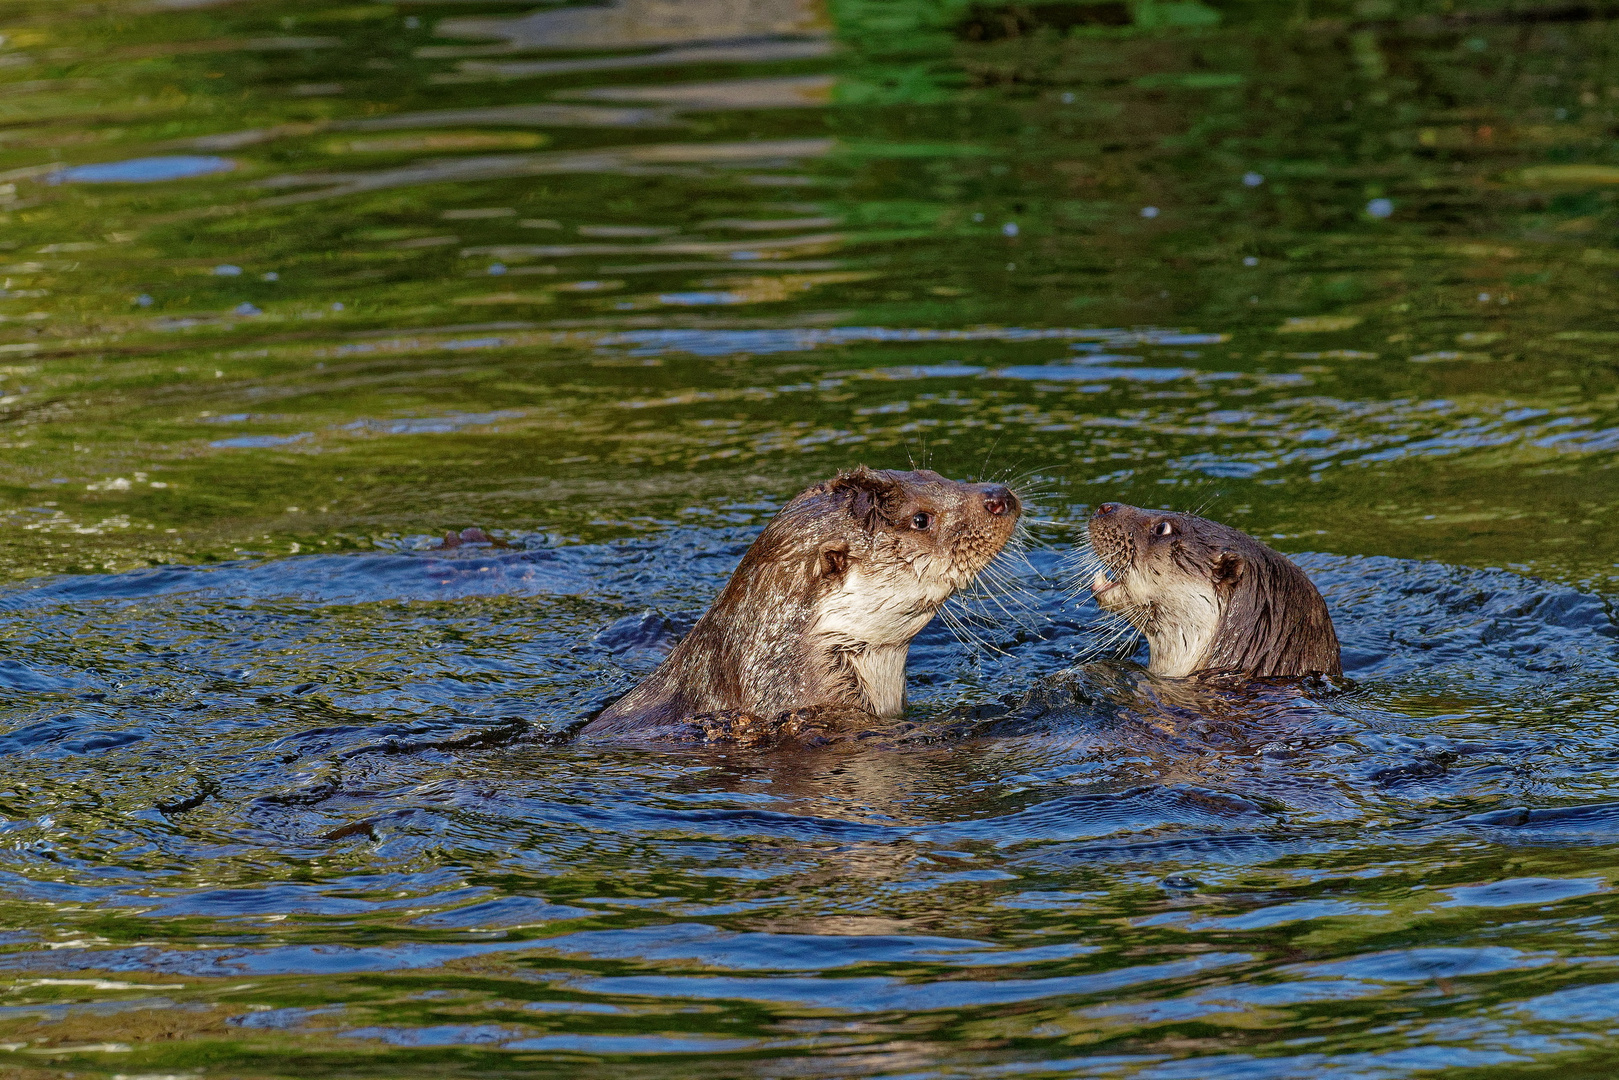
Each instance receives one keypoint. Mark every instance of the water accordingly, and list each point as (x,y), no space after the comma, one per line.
(291,290)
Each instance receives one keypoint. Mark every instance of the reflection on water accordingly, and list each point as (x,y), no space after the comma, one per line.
(286,296)
(632,23)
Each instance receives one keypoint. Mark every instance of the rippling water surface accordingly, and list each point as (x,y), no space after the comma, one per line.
(291,289)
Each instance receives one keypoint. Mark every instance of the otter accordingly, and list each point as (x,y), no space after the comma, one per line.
(821,611)
(1210,599)
(473,536)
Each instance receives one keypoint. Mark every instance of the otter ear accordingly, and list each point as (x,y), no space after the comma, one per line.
(870,494)
(1228,570)
(832,561)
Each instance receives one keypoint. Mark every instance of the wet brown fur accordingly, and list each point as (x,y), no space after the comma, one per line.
(1270,620)
(821,611)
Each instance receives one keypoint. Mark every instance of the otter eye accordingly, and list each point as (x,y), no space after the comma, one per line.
(1163,528)
(921,521)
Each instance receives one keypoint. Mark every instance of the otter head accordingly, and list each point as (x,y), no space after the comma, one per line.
(1208,597)
(905,542)
(911,540)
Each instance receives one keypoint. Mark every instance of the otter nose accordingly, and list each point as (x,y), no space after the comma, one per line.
(1107,508)
(999,500)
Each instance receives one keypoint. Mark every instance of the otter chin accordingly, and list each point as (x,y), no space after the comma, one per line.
(822,609)
(1209,599)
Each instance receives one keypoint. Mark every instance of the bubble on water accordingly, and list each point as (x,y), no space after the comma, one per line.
(1380,208)
(1253,179)
(245,308)
(144,301)
(271,276)
(1249,260)
(496,269)
(227,270)
(1009,229)
(1149,211)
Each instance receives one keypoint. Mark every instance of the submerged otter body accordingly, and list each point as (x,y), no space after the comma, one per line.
(1210,599)
(822,609)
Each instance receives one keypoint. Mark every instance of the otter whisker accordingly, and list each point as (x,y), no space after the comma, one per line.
(1002,575)
(1118,639)
(964,634)
(995,588)
(1023,616)
(1006,475)
(1009,585)
(1213,498)
(984,470)
(1017,550)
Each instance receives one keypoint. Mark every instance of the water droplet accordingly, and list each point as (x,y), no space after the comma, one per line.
(1009,229)
(272,276)
(1149,211)
(497,269)
(1249,260)
(1484,298)
(338,306)
(1253,179)
(1068,98)
(227,270)
(244,308)
(143,300)
(1380,208)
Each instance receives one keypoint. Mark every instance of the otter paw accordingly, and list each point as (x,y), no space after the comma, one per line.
(809,727)
(732,727)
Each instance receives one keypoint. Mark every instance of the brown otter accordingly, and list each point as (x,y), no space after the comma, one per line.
(822,609)
(474,535)
(1210,599)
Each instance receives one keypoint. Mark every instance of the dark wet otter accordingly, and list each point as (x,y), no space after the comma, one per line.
(474,535)
(821,612)
(1208,597)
